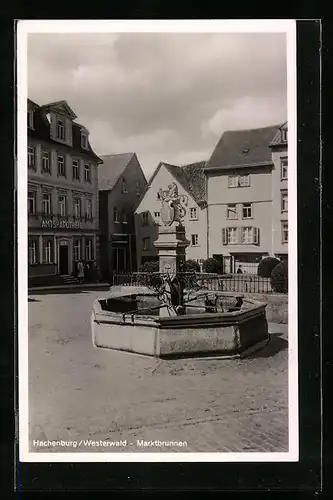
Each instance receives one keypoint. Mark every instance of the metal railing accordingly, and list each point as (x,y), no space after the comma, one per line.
(236,283)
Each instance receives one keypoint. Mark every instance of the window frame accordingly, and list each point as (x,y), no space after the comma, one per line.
(75,199)
(124,187)
(88,213)
(84,141)
(61,171)
(49,204)
(195,217)
(50,251)
(229,209)
(145,219)
(194,240)
(60,125)
(35,248)
(145,243)
(75,168)
(87,178)
(116,215)
(245,207)
(283,224)
(32,155)
(244,230)
(64,204)
(284,200)
(34,200)
(229,231)
(30,119)
(90,247)
(284,165)
(76,255)
(46,156)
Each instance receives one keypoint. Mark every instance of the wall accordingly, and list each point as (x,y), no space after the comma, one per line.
(125,202)
(277,185)
(259,193)
(150,203)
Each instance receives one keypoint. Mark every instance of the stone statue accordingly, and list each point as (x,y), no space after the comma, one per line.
(173,205)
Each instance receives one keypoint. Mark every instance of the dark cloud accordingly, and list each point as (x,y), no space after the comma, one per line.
(166,96)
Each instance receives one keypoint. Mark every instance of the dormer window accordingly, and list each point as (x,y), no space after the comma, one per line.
(30,119)
(284,135)
(84,140)
(60,129)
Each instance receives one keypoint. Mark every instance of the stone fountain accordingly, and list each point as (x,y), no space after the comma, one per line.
(170,314)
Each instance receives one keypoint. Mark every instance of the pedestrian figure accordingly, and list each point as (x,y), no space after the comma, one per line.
(239,270)
(80,271)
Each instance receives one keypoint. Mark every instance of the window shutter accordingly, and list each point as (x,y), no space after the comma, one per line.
(256,235)
(224,236)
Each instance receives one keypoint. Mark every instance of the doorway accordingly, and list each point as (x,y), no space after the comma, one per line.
(63,259)
(119,259)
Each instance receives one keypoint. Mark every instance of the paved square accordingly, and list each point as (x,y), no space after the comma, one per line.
(79,393)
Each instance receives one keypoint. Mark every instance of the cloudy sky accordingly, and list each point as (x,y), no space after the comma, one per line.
(166,96)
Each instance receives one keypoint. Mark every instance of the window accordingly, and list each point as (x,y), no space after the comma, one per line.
(124,188)
(115,215)
(31,158)
(244,180)
(87,176)
(157,215)
(89,249)
(124,217)
(62,203)
(30,119)
(247,235)
(232,211)
(284,201)
(46,164)
(61,129)
(61,167)
(247,211)
(84,140)
(32,251)
(194,240)
(145,219)
(233,181)
(284,169)
(238,180)
(284,135)
(76,170)
(193,214)
(231,235)
(88,208)
(31,202)
(138,188)
(284,231)
(145,243)
(158,195)
(77,207)
(77,250)
(46,203)
(47,251)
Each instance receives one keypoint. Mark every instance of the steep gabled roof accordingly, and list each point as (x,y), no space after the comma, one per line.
(191,177)
(62,106)
(112,168)
(238,148)
(278,139)
(41,131)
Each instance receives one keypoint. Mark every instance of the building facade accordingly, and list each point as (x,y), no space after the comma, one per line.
(242,197)
(279,148)
(190,180)
(62,192)
(121,183)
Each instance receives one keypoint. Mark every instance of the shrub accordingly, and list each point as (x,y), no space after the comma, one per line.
(152,280)
(192,265)
(151,266)
(279,278)
(212,265)
(266,266)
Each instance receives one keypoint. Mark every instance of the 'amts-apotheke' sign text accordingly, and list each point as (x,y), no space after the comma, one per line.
(61,224)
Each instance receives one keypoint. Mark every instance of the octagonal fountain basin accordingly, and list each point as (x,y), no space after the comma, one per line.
(129,319)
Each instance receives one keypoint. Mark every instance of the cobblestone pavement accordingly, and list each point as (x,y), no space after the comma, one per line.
(77,392)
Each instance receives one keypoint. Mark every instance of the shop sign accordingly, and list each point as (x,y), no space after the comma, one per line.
(54,223)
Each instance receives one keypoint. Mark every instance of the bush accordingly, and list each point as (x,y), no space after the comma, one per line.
(266,266)
(279,278)
(212,266)
(151,266)
(192,265)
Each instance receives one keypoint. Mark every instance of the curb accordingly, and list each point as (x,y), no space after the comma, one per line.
(87,286)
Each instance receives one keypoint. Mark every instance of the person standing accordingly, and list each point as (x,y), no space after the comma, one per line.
(80,271)
(240,270)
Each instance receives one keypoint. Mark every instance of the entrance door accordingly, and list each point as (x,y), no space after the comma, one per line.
(63,259)
(119,259)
